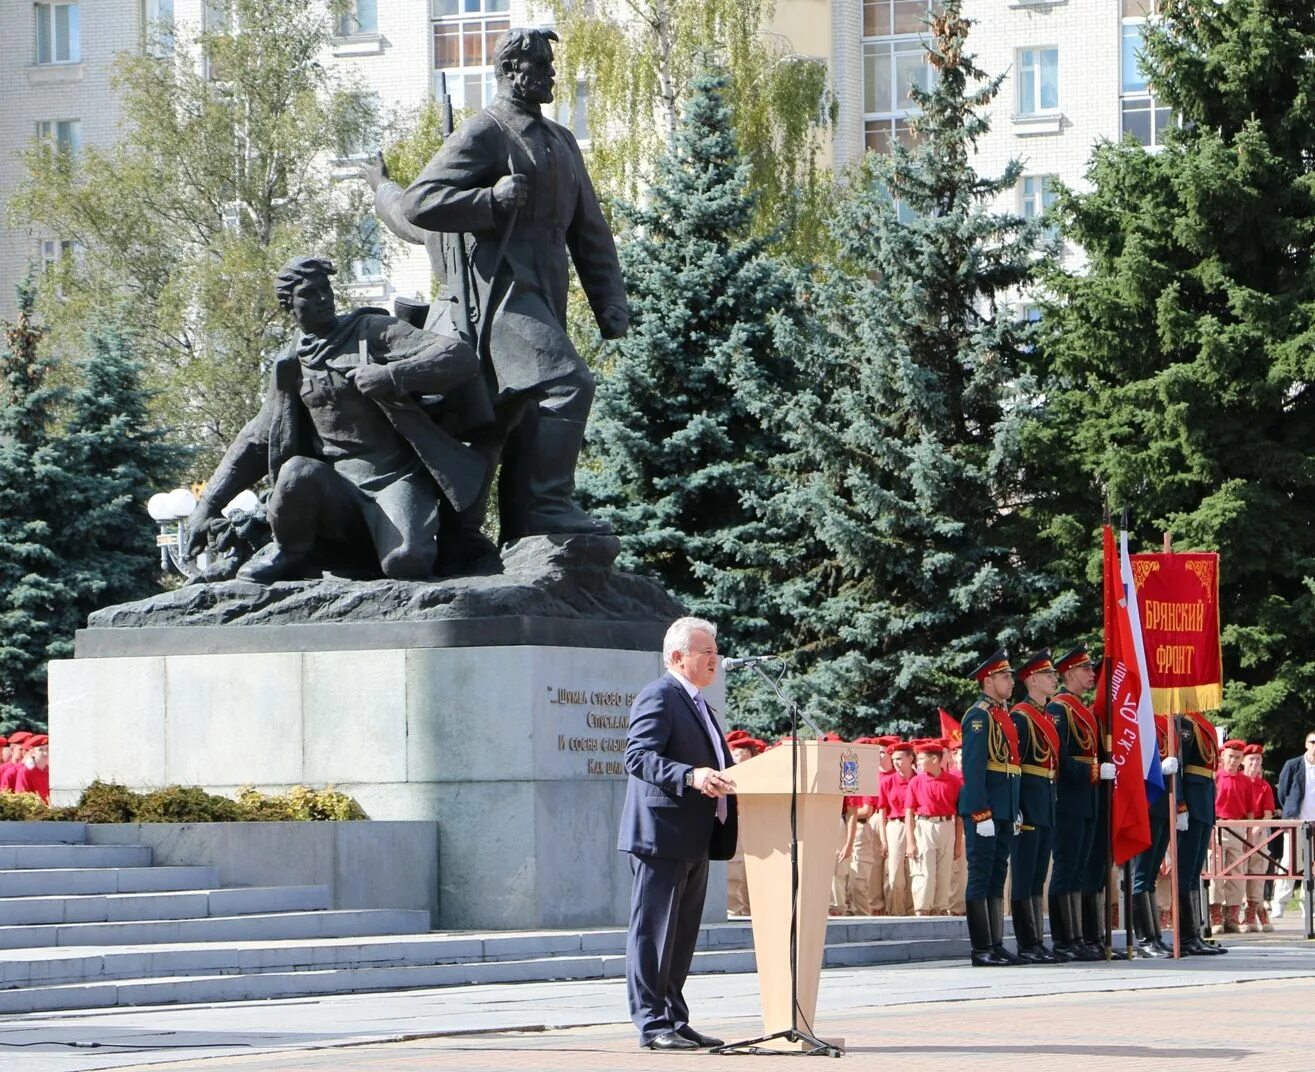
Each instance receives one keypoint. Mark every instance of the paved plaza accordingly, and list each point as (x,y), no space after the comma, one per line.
(1249,1010)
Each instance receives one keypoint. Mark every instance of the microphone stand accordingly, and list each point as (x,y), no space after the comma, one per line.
(813,1046)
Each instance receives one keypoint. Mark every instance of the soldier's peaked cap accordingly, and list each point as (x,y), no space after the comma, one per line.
(994,664)
(1038,663)
(1079,656)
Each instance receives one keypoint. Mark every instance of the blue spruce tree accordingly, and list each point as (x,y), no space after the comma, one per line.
(906,456)
(77,464)
(684,439)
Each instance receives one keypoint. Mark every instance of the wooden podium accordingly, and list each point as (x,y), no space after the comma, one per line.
(828,771)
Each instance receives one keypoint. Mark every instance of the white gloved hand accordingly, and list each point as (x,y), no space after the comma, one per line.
(1182,820)
(1018,820)
(1107,772)
(986,828)
(1170,765)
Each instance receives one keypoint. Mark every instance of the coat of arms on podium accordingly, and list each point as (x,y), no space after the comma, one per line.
(849,773)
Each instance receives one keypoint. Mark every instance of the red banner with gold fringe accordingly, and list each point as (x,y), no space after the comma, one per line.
(1179,598)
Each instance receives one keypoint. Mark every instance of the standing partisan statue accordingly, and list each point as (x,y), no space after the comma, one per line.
(513,184)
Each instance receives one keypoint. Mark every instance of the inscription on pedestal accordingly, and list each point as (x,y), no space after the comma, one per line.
(592,725)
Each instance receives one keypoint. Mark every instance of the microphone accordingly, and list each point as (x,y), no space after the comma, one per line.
(748,660)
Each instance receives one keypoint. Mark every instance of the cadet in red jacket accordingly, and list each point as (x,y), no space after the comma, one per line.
(1262,807)
(933,832)
(1233,803)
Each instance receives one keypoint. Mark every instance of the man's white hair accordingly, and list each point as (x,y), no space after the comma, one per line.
(677,638)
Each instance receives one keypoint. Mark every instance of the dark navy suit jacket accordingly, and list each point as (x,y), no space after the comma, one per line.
(1292,787)
(662,816)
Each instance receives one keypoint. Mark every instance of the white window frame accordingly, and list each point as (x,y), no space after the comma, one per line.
(46,34)
(66,140)
(483,13)
(1032,61)
(894,118)
(158,23)
(1140,100)
(349,23)
(1036,195)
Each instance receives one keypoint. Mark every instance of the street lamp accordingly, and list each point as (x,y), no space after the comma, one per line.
(168,509)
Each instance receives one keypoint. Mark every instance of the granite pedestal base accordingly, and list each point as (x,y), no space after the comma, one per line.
(514,749)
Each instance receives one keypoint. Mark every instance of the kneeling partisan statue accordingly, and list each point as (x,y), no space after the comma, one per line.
(355,462)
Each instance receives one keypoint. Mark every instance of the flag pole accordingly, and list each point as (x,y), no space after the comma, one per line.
(1107,740)
(1172,790)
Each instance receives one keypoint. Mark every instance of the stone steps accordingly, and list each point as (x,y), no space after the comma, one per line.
(156,906)
(79,881)
(14,857)
(314,924)
(86,926)
(360,977)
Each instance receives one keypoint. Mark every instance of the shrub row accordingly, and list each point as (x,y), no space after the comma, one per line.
(106,802)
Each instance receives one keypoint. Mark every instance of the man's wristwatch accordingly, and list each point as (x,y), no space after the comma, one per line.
(689,779)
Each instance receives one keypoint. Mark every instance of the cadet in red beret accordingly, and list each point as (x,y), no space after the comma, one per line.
(1262,807)
(1233,803)
(933,832)
(34,775)
(14,761)
(892,802)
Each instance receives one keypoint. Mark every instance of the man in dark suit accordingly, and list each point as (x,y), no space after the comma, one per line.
(1296,800)
(678,815)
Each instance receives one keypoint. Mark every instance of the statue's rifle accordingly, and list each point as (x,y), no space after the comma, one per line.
(465,315)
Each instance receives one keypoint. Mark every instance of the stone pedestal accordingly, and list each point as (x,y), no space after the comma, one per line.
(508,731)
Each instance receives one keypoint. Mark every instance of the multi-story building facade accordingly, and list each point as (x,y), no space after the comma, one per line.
(1071,80)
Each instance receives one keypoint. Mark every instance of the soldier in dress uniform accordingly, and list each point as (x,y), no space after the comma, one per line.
(1146,865)
(1095,875)
(1029,859)
(988,803)
(1076,788)
(1199,749)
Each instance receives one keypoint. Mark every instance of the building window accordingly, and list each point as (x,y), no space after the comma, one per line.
(158,27)
(1036,195)
(1142,117)
(368,267)
(894,62)
(466,33)
(54,251)
(361,17)
(57,33)
(62,135)
(882,18)
(1038,80)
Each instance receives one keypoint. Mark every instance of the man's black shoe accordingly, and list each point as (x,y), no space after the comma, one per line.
(669,1040)
(706,1042)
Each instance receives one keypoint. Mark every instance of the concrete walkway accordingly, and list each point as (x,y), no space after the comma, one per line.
(936,1009)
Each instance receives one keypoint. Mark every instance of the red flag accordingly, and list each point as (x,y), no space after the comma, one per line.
(1117,695)
(951,730)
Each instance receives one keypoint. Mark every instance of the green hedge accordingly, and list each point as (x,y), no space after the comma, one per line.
(106,802)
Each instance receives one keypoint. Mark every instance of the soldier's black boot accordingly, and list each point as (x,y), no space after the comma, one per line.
(551,507)
(1208,948)
(1085,951)
(979,935)
(1061,927)
(274,562)
(1189,941)
(1031,950)
(996,914)
(1156,932)
(1039,918)
(1145,926)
